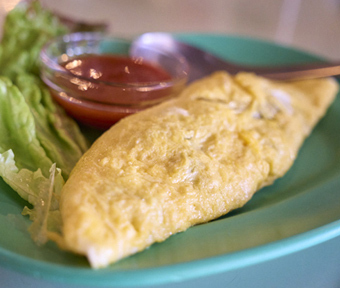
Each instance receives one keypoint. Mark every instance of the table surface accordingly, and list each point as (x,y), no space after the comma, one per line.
(309,25)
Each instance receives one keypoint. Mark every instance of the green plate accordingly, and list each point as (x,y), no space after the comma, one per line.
(298,211)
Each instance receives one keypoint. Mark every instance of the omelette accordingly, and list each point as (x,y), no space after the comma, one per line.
(186,161)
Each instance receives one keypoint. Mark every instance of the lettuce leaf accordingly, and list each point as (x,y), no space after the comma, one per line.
(37,130)
(41,192)
(39,143)
(57,134)
(26,29)
(17,130)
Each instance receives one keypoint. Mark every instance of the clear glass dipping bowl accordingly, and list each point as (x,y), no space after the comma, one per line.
(101,103)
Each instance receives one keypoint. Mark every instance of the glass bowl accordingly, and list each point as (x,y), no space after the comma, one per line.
(101,101)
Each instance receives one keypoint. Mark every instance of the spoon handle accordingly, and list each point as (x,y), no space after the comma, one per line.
(304,71)
(301,71)
(202,63)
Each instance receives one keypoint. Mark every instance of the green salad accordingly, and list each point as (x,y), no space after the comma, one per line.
(39,143)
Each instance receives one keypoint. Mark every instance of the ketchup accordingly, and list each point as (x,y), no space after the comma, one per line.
(117,69)
(99,90)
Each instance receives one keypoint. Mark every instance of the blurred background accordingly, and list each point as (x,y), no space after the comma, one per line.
(310,25)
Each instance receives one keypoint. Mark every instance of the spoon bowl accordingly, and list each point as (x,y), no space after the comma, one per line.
(202,63)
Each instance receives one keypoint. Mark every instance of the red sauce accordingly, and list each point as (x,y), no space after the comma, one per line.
(115,69)
(89,95)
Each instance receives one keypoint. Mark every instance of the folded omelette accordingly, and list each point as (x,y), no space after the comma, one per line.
(187,161)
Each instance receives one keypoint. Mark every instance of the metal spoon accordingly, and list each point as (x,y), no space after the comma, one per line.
(202,63)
